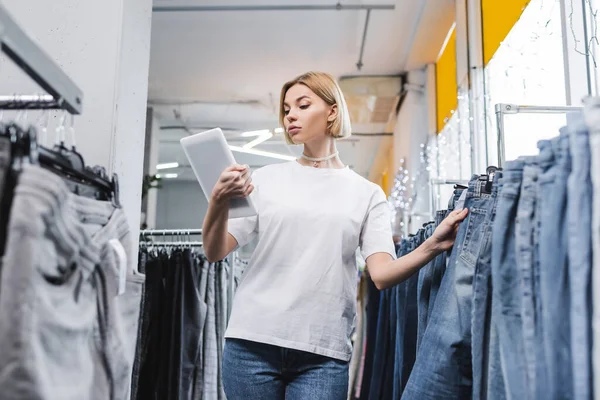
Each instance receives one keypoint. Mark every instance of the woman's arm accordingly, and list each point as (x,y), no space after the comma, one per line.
(234,182)
(217,242)
(387,272)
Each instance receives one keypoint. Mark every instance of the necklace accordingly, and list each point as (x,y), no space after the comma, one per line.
(316,161)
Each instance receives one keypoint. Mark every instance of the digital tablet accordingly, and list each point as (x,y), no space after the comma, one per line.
(209,154)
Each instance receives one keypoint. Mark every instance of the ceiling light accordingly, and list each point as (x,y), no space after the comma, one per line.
(258,140)
(279,130)
(255,133)
(262,153)
(167,165)
(170,176)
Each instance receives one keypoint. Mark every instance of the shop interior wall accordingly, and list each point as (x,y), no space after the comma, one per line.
(104,47)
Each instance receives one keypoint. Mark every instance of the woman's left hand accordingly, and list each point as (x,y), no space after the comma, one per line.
(445,234)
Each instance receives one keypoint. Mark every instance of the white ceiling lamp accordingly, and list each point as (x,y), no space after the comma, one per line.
(167,165)
(262,153)
(167,176)
(255,133)
(279,130)
(258,140)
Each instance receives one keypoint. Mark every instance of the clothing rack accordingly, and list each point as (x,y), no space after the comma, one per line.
(502,109)
(21,49)
(190,232)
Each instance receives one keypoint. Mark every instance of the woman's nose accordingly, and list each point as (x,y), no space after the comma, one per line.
(291,117)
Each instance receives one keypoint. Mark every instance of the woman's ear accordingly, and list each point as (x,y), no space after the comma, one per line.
(332,113)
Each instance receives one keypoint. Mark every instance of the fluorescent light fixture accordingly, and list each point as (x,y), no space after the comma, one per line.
(279,130)
(255,133)
(167,165)
(262,153)
(258,140)
(166,176)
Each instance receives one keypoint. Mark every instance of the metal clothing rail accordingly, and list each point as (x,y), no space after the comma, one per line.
(282,7)
(170,232)
(502,109)
(437,182)
(19,47)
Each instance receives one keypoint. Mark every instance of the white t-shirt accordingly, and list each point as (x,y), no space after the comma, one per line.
(299,289)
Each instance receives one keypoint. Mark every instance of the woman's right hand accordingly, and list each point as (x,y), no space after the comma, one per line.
(234,182)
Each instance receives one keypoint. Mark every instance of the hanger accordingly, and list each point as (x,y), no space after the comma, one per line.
(489,178)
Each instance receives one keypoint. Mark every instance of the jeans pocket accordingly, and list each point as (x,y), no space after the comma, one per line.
(473,236)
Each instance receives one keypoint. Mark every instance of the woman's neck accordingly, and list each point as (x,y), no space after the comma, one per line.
(318,151)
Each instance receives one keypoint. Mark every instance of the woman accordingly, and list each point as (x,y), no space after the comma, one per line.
(289,332)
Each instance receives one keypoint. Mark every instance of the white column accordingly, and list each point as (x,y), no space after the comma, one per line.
(105,48)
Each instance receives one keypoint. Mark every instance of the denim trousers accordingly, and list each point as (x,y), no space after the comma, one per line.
(260,371)
(428,285)
(443,368)
(554,271)
(525,239)
(506,288)
(481,309)
(592,118)
(579,226)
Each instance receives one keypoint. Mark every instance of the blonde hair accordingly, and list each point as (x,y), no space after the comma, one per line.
(326,87)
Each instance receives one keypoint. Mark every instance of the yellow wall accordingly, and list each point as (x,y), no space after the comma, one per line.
(498,18)
(445,77)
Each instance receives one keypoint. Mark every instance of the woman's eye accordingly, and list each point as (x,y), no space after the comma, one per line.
(304,107)
(286,112)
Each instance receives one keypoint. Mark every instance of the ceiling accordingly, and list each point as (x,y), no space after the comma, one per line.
(226,68)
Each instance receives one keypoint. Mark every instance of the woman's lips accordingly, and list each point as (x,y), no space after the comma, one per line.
(294,131)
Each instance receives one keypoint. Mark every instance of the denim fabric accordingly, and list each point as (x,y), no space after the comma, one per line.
(410,321)
(545,160)
(424,288)
(400,305)
(506,290)
(443,368)
(554,271)
(372,319)
(592,118)
(260,371)
(438,267)
(524,243)
(381,345)
(390,356)
(579,227)
(481,315)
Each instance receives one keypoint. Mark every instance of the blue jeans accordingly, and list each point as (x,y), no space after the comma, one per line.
(443,368)
(426,281)
(260,371)
(554,271)
(579,225)
(481,310)
(524,241)
(506,288)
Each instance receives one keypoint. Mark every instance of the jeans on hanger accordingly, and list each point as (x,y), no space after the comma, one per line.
(372,319)
(506,288)
(443,368)
(260,371)
(400,313)
(554,271)
(524,243)
(592,118)
(579,227)
(426,277)
(381,345)
(481,310)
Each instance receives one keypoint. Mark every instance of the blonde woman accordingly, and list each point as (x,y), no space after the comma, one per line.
(294,312)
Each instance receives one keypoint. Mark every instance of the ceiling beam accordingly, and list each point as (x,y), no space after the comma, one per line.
(299,7)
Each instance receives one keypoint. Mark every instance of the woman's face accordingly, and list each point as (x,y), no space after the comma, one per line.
(306,114)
